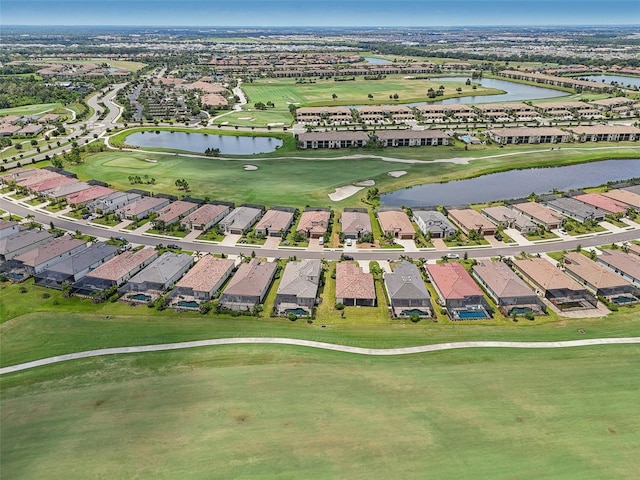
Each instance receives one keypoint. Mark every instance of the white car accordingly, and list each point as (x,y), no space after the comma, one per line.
(348,242)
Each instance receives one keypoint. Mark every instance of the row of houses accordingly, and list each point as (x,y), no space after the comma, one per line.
(382,138)
(552,135)
(494,112)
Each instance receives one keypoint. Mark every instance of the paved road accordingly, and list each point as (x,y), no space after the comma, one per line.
(382,254)
(311,344)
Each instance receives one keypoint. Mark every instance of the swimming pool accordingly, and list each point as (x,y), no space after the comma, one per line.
(188,304)
(519,311)
(470,314)
(140,297)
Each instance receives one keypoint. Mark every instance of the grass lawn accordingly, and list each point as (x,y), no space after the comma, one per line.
(289,412)
(35,109)
(313,175)
(257,118)
(284,91)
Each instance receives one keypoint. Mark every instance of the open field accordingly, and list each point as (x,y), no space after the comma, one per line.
(315,174)
(289,412)
(35,109)
(257,118)
(125,64)
(284,91)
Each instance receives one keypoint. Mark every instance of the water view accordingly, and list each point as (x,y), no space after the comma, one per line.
(513,92)
(376,61)
(619,79)
(514,184)
(199,142)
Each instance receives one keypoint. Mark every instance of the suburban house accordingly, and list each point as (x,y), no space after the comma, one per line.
(205,217)
(314,223)
(203,281)
(161,274)
(524,135)
(355,222)
(112,202)
(249,285)
(506,218)
(240,220)
(600,280)
(353,286)
(561,290)
(51,183)
(576,209)
(607,104)
(142,208)
(175,211)
(83,197)
(606,133)
(625,264)
(624,196)
(396,223)
(469,220)
(275,222)
(540,214)
(8,228)
(115,272)
(407,292)
(61,191)
(48,254)
(602,202)
(73,268)
(21,242)
(457,291)
(509,291)
(298,289)
(433,224)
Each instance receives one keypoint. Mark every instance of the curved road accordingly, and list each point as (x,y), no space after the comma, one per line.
(311,344)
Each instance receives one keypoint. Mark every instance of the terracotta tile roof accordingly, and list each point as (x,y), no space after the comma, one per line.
(453,281)
(84,196)
(395,220)
(501,280)
(275,220)
(594,273)
(354,222)
(352,282)
(624,196)
(540,212)
(314,222)
(600,201)
(122,264)
(206,273)
(174,210)
(546,275)
(47,251)
(469,219)
(629,264)
(251,279)
(141,206)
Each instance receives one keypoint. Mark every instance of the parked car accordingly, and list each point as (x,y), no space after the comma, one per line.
(347,257)
(173,246)
(453,256)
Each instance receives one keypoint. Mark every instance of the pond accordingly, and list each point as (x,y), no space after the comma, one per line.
(513,184)
(513,92)
(199,142)
(376,61)
(619,79)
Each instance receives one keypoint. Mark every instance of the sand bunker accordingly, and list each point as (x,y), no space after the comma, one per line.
(245,118)
(365,183)
(397,173)
(150,161)
(249,167)
(277,124)
(344,192)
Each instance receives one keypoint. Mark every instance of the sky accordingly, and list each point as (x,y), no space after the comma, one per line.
(342,13)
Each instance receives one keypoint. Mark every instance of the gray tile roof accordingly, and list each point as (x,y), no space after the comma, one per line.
(406,282)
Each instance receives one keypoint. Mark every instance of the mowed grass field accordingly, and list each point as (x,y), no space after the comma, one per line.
(315,174)
(34,109)
(289,412)
(284,91)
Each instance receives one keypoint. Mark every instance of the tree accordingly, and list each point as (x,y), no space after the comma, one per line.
(66,289)
(370,96)
(334,96)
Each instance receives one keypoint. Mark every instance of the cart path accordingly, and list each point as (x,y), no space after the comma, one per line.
(311,344)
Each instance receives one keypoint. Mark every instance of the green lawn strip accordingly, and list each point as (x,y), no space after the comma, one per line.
(293,412)
(311,180)
(34,109)
(251,117)
(284,91)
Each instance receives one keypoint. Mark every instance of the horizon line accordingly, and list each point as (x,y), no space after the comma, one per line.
(323,26)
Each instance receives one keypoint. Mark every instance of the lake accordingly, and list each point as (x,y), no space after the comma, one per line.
(514,92)
(513,184)
(620,79)
(376,61)
(199,142)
